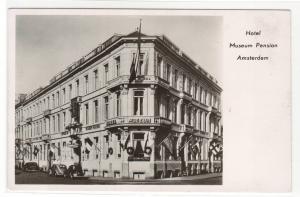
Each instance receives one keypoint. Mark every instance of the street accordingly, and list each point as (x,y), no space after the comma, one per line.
(43,178)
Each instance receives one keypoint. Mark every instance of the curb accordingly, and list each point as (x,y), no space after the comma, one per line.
(195,177)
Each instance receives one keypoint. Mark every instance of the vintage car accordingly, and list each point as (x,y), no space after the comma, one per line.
(58,170)
(31,167)
(75,170)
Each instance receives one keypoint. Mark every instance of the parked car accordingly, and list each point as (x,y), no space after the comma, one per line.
(31,167)
(75,170)
(58,170)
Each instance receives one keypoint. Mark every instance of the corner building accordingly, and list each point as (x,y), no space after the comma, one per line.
(165,123)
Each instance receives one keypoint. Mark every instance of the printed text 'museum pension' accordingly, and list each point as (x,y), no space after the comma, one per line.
(256,45)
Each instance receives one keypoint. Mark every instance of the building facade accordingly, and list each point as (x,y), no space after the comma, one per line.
(164,123)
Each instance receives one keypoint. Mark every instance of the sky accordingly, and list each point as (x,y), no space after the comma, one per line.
(47,44)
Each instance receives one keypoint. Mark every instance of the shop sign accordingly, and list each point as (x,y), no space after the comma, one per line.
(140,120)
(65,133)
(95,126)
(138,158)
(46,137)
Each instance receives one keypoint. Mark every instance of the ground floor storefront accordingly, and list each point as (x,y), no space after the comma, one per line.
(127,152)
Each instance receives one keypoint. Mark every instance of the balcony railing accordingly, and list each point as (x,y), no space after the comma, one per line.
(139,79)
(29,120)
(186,128)
(17,141)
(138,121)
(28,141)
(46,137)
(217,137)
(215,111)
(47,113)
(76,99)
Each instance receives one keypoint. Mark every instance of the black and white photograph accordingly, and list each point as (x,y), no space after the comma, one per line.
(118,100)
(149,100)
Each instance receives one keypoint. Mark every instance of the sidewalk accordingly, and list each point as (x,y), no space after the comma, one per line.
(198,177)
(195,177)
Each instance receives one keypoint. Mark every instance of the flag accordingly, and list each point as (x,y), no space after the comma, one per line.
(88,143)
(132,69)
(168,144)
(36,151)
(52,148)
(146,143)
(136,58)
(127,141)
(187,141)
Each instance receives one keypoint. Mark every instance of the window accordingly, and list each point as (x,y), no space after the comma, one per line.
(202,121)
(96,79)
(118,104)
(77,87)
(105,73)
(96,139)
(86,79)
(182,113)
(53,124)
(58,149)
(157,105)
(168,72)
(159,64)
(119,147)
(106,107)
(208,98)
(117,60)
(86,113)
(138,102)
(45,126)
(58,123)
(167,107)
(196,91)
(58,101)
(175,112)
(64,120)
(183,82)
(70,91)
(48,103)
(195,118)
(138,136)
(53,101)
(44,104)
(189,114)
(201,94)
(64,150)
(96,108)
(175,79)
(190,86)
(44,152)
(63,96)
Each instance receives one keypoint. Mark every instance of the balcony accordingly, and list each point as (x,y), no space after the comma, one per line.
(46,137)
(184,128)
(17,141)
(28,141)
(186,96)
(73,129)
(47,113)
(142,79)
(215,112)
(29,120)
(217,137)
(77,99)
(138,121)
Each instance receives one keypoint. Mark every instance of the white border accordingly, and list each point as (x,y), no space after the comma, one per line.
(294,7)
